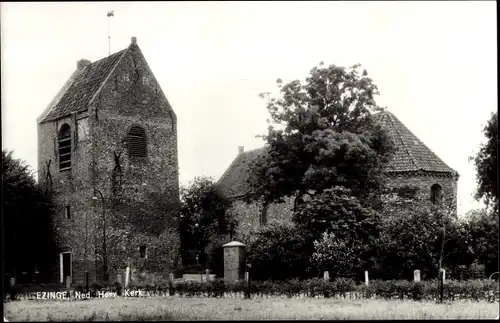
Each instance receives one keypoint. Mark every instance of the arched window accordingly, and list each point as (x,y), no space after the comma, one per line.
(137,142)
(436,194)
(65,147)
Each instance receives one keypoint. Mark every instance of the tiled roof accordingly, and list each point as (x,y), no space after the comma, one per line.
(85,84)
(234,181)
(411,155)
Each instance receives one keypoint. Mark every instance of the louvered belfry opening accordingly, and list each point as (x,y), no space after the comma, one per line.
(137,142)
(65,147)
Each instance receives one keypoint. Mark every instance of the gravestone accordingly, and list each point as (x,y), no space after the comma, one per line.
(326,276)
(366,278)
(416,275)
(234,261)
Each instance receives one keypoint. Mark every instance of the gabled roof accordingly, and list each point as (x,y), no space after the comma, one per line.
(411,156)
(79,91)
(234,182)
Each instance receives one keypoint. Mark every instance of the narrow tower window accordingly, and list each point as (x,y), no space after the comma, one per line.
(137,142)
(67,212)
(65,147)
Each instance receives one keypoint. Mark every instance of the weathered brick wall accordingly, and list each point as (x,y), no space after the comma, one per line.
(69,187)
(248,214)
(424,183)
(133,97)
(248,217)
(135,206)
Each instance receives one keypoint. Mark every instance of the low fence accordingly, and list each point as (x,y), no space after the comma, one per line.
(313,288)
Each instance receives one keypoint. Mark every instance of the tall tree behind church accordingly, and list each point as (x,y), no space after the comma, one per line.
(322,135)
(487,164)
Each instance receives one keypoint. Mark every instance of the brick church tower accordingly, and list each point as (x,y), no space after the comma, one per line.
(107,152)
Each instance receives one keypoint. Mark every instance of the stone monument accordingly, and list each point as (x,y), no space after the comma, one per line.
(234,261)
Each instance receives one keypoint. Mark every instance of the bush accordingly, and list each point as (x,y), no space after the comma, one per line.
(279,253)
(341,287)
(118,288)
(14,290)
(393,289)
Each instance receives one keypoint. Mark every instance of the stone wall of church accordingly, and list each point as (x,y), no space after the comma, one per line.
(424,182)
(248,216)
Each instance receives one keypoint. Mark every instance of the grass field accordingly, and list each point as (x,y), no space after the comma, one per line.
(174,308)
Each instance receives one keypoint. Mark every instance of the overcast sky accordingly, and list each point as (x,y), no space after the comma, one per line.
(434,64)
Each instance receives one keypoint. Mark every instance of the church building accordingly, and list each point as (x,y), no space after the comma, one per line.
(412,165)
(107,153)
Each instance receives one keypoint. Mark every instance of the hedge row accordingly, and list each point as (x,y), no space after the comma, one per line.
(343,288)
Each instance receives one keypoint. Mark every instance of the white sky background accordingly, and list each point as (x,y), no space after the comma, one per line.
(434,64)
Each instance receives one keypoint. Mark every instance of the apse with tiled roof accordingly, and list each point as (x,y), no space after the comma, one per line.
(413,165)
(106,142)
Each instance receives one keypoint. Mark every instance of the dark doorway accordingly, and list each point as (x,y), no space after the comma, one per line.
(66,266)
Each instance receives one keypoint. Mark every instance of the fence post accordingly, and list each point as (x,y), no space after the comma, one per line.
(366,278)
(68,285)
(86,281)
(127,276)
(171,291)
(326,279)
(442,276)
(247,285)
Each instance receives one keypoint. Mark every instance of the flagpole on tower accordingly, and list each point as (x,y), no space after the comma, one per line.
(110,14)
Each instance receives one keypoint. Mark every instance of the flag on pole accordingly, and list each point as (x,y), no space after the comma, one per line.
(111,13)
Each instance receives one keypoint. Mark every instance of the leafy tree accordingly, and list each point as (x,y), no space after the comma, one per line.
(421,237)
(483,237)
(203,219)
(341,256)
(29,237)
(279,252)
(487,164)
(344,231)
(321,136)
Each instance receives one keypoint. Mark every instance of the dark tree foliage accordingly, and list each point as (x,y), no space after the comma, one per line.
(350,226)
(280,252)
(30,251)
(482,237)
(487,164)
(203,221)
(322,136)
(419,236)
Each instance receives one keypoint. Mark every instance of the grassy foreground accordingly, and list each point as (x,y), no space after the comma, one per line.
(174,308)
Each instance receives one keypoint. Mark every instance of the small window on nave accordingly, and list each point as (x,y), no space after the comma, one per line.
(436,194)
